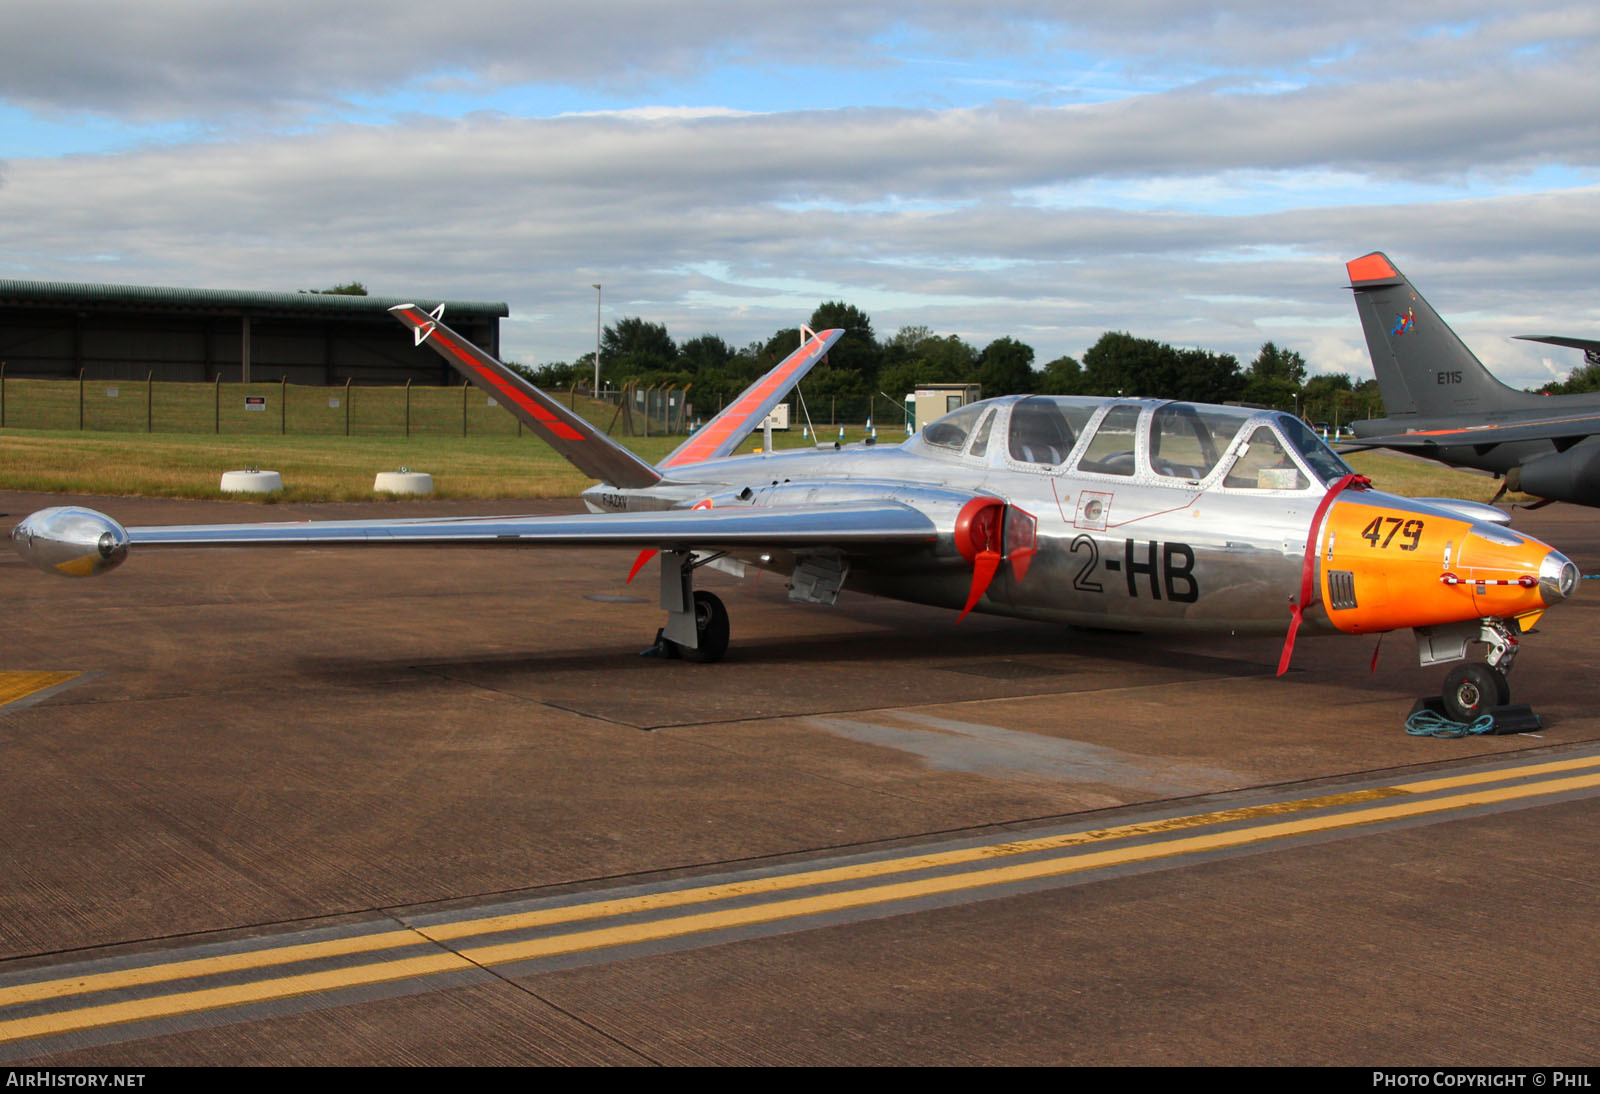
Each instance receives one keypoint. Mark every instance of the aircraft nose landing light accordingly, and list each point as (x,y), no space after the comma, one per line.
(1558,578)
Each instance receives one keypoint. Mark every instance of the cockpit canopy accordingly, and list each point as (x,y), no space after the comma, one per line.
(1224,447)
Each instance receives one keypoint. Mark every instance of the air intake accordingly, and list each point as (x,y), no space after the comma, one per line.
(1341,590)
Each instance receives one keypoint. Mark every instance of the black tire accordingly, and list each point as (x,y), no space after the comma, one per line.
(1502,687)
(1470,690)
(711,625)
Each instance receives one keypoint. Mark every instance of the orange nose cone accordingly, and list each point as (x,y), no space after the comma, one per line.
(1510,574)
(1387,568)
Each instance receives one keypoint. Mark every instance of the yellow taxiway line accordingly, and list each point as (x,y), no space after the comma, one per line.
(20,685)
(1075,853)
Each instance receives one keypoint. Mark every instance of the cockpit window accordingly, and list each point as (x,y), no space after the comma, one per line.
(1111,448)
(1324,463)
(1187,441)
(1264,464)
(951,430)
(980,442)
(1040,432)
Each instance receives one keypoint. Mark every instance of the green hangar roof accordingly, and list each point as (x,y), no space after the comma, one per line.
(234,301)
(70,329)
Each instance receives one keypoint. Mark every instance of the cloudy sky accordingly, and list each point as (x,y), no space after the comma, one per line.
(1045,170)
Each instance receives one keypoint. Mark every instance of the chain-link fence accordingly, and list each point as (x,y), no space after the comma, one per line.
(233,408)
(829,412)
(649,411)
(159,406)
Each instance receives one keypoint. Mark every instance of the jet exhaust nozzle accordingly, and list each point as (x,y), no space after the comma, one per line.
(71,540)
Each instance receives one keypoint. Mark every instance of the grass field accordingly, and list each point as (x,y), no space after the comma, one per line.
(176,440)
(480,465)
(313,468)
(1416,478)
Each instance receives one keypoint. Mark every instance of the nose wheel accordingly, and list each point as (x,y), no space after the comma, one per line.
(1471,690)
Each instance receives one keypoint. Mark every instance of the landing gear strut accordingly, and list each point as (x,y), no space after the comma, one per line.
(697,622)
(1475,688)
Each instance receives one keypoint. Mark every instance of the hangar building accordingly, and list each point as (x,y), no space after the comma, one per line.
(55,328)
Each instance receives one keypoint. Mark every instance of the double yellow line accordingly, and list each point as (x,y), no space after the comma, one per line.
(752,902)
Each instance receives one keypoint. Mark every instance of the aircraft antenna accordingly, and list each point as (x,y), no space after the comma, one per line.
(810,429)
(806,334)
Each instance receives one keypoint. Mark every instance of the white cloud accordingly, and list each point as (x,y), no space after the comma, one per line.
(185,58)
(1310,132)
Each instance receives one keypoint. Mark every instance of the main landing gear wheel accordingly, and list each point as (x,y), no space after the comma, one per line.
(711,627)
(1471,689)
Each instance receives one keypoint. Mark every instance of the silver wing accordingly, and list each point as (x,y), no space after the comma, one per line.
(79,542)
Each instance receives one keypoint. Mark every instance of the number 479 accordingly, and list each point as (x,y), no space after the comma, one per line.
(1408,529)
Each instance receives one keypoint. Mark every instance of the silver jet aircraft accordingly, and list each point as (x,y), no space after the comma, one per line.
(1131,514)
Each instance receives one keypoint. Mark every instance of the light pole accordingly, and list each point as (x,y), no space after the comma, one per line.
(597,341)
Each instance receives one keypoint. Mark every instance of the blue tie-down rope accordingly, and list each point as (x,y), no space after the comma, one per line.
(1425,723)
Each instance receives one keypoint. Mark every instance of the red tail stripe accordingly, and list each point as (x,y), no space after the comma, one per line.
(735,416)
(520,398)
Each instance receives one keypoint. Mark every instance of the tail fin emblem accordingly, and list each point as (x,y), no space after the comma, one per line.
(422,330)
(1403,323)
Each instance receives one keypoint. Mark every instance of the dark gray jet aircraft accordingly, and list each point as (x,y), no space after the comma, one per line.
(1443,404)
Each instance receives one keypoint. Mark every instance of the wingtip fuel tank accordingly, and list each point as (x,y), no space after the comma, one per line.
(71,540)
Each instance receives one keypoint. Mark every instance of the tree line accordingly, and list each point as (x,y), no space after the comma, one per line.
(862,368)
(1581,380)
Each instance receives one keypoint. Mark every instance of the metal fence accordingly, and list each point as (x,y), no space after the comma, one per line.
(233,408)
(648,411)
(160,406)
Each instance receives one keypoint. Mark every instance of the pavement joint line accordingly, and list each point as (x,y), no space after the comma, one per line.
(957,702)
(1398,803)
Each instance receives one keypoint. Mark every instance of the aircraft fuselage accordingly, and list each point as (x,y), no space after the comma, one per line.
(1134,549)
